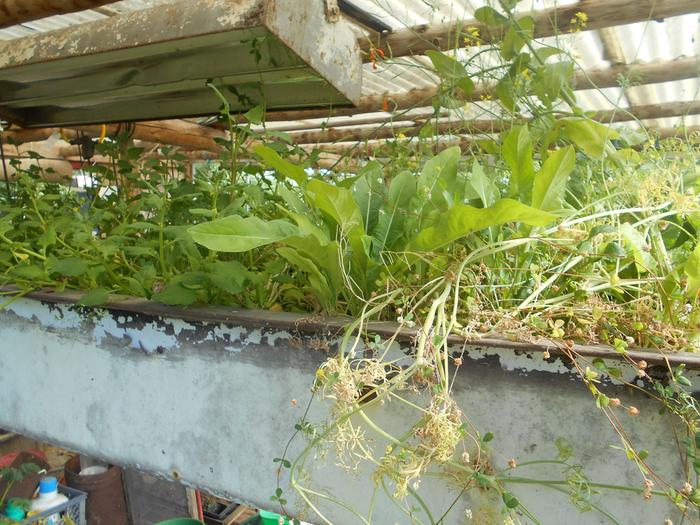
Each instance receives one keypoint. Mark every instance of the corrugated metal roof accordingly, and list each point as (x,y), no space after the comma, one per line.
(641,42)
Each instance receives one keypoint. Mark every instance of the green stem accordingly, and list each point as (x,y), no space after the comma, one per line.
(529,481)
(6,492)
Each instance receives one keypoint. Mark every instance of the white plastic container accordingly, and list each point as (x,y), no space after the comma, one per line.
(48,499)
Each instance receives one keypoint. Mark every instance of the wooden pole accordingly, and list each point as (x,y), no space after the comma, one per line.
(73,153)
(376,148)
(548,22)
(648,111)
(176,133)
(459,127)
(452,127)
(640,74)
(13,12)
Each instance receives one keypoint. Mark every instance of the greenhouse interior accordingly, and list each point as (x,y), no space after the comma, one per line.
(350,262)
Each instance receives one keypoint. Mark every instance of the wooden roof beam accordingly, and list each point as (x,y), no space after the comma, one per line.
(454,127)
(648,111)
(374,148)
(548,22)
(167,132)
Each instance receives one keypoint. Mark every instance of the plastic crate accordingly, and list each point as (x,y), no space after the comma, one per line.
(74,509)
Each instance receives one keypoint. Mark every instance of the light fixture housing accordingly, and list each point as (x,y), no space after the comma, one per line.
(156,63)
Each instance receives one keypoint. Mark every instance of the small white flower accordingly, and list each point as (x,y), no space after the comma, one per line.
(468,513)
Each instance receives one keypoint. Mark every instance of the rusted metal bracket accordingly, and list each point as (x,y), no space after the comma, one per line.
(332,10)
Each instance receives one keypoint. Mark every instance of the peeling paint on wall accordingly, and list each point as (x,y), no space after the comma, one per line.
(157,335)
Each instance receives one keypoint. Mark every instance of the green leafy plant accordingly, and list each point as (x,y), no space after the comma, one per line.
(10,476)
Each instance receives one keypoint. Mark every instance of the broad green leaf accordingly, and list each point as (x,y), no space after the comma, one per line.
(292,200)
(438,179)
(255,115)
(307,227)
(466,85)
(69,266)
(338,203)
(6,224)
(628,156)
(255,196)
(692,270)
(588,135)
(340,206)
(48,238)
(462,220)
(368,191)
(175,293)
(446,66)
(504,91)
(517,152)
(95,297)
(277,163)
(402,189)
(516,37)
(392,217)
(29,271)
(456,79)
(238,234)
(551,80)
(544,53)
(550,182)
(281,135)
(633,137)
(193,280)
(483,186)
(228,276)
(317,280)
(489,16)
(325,256)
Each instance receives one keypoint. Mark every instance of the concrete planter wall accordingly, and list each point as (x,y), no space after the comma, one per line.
(205,395)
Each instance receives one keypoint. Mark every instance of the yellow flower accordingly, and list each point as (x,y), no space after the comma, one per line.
(578,22)
(472,37)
